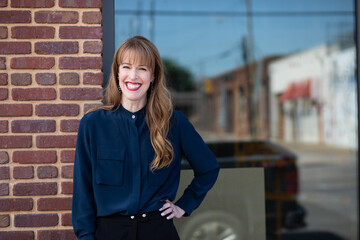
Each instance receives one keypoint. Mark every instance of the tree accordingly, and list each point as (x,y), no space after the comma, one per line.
(178,78)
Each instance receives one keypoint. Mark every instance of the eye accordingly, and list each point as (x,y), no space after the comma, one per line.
(127,67)
(143,69)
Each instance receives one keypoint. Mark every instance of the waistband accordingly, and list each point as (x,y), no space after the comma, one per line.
(136,217)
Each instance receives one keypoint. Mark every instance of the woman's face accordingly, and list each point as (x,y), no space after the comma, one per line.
(134,80)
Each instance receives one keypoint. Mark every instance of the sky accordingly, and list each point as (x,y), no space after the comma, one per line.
(205,35)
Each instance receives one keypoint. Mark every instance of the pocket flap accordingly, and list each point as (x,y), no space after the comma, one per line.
(112,153)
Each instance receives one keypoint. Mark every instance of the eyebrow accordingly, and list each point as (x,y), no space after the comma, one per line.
(142,65)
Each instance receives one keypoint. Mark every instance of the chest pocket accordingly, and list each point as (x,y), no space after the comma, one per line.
(110,166)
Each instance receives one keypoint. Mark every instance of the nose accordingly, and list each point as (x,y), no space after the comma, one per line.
(133,74)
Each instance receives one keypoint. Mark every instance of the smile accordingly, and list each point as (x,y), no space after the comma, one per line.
(132,86)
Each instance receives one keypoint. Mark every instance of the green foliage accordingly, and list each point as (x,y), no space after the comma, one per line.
(178,78)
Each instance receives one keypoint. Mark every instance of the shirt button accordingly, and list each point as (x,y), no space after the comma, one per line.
(132,217)
(144,215)
(133,116)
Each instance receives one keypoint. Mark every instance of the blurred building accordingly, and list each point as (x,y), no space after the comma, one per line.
(311,93)
(236,102)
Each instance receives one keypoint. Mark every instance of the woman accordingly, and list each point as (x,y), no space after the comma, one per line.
(128,155)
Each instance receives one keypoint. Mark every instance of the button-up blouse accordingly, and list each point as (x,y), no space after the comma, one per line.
(112,168)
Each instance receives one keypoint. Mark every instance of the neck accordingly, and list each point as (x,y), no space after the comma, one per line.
(133,106)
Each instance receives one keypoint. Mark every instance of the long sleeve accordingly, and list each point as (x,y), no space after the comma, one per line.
(203,163)
(83,205)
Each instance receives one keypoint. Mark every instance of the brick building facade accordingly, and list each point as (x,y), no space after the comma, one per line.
(229,102)
(50,74)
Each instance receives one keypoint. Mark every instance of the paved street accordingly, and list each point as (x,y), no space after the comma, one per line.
(328,183)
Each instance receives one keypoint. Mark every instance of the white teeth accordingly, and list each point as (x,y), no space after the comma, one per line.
(132,86)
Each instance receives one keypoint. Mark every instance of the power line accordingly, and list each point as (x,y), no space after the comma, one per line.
(234,13)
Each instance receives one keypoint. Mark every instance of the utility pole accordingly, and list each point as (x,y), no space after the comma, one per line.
(151,20)
(249,44)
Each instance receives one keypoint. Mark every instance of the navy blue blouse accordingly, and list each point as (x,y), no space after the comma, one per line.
(112,168)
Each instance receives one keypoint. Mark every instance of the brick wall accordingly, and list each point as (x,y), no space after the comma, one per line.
(50,74)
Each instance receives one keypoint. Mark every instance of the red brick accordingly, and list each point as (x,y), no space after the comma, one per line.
(3,79)
(57,110)
(80,3)
(15,110)
(15,16)
(93,78)
(56,141)
(56,17)
(21,79)
(15,141)
(4,126)
(4,173)
(15,47)
(88,106)
(54,204)
(46,78)
(2,63)
(33,126)
(47,172)
(3,3)
(34,157)
(18,235)
(32,3)
(4,189)
(4,93)
(93,47)
(34,189)
(56,234)
(67,156)
(80,62)
(77,32)
(69,125)
(81,93)
(66,187)
(5,220)
(56,47)
(92,17)
(67,171)
(32,62)
(15,204)
(3,32)
(36,220)
(32,32)
(28,94)
(69,78)
(4,157)
(23,172)
(66,219)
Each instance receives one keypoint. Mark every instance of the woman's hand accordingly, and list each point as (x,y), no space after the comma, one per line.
(171,209)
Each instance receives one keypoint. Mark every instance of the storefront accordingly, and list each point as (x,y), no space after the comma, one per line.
(272,88)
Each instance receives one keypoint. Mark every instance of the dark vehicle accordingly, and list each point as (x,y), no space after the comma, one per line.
(282,211)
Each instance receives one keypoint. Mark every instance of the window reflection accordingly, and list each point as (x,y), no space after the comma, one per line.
(267,84)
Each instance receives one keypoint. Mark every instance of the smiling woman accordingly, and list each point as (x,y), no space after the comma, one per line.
(129,152)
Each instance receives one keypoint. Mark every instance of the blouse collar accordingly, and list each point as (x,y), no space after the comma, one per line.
(140,114)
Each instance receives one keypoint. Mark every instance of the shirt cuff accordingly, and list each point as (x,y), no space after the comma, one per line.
(87,237)
(187,203)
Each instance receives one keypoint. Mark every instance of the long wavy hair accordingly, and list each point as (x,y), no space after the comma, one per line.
(158,107)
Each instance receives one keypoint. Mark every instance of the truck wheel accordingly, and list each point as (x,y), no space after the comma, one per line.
(214,225)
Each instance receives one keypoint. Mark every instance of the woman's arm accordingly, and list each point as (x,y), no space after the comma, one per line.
(202,161)
(83,205)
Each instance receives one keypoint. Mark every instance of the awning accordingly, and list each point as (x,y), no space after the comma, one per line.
(296,90)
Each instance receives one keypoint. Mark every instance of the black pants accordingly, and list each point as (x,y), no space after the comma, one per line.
(149,226)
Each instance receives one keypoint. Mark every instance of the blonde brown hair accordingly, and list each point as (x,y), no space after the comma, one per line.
(159,106)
